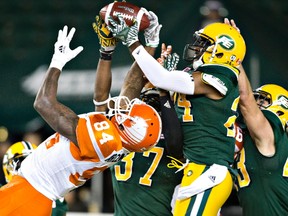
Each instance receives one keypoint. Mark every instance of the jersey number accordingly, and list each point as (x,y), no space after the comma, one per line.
(243,176)
(146,178)
(188,116)
(100,126)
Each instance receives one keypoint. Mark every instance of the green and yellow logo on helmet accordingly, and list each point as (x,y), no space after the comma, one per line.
(226,42)
(283,101)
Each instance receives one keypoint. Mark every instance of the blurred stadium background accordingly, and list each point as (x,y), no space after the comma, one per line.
(28,31)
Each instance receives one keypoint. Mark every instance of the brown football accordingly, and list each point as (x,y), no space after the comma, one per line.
(129,12)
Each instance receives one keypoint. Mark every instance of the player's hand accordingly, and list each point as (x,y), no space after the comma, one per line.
(62,52)
(231,23)
(171,62)
(165,50)
(152,33)
(128,35)
(167,60)
(106,40)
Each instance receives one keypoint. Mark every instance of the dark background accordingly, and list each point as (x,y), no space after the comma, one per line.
(28,31)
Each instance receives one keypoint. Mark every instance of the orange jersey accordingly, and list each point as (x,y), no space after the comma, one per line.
(58,166)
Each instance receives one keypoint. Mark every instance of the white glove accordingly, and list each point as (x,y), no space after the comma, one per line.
(152,33)
(128,35)
(62,52)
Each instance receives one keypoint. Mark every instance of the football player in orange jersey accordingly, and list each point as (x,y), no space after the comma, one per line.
(82,146)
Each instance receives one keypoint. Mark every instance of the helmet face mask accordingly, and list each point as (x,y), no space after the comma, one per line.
(195,51)
(14,156)
(138,124)
(151,97)
(263,99)
(13,164)
(275,99)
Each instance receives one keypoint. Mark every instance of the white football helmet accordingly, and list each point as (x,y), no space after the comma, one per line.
(138,124)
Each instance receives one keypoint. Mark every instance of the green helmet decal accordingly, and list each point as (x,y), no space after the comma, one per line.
(226,42)
(283,101)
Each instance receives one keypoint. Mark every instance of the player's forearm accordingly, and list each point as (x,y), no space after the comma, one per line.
(247,103)
(46,95)
(103,82)
(176,81)
(171,128)
(134,80)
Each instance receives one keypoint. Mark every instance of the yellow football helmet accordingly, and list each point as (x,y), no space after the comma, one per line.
(216,43)
(13,157)
(274,98)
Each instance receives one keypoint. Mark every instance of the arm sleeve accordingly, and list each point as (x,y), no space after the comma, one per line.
(176,81)
(171,128)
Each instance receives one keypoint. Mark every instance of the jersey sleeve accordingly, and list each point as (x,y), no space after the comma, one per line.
(97,137)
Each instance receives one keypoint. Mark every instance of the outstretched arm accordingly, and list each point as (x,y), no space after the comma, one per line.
(172,129)
(61,118)
(135,79)
(103,78)
(176,81)
(258,126)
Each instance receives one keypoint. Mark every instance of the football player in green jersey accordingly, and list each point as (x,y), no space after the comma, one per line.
(141,178)
(12,160)
(262,164)
(206,102)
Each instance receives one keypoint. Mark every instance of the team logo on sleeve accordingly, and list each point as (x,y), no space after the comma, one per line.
(115,157)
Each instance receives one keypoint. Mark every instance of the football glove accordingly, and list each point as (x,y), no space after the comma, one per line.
(62,52)
(128,35)
(151,34)
(167,60)
(171,62)
(106,40)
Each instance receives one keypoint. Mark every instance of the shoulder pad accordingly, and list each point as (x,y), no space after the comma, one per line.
(215,82)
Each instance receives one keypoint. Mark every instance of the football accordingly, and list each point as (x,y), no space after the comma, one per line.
(129,12)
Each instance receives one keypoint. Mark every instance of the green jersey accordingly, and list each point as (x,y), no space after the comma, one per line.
(208,125)
(60,209)
(263,181)
(143,184)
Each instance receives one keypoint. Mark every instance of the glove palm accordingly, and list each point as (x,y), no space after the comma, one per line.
(171,62)
(128,35)
(152,33)
(106,40)
(62,52)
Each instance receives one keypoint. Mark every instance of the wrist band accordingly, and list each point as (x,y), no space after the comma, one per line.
(100,103)
(105,56)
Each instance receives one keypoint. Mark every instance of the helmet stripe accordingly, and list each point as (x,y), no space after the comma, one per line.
(27,145)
